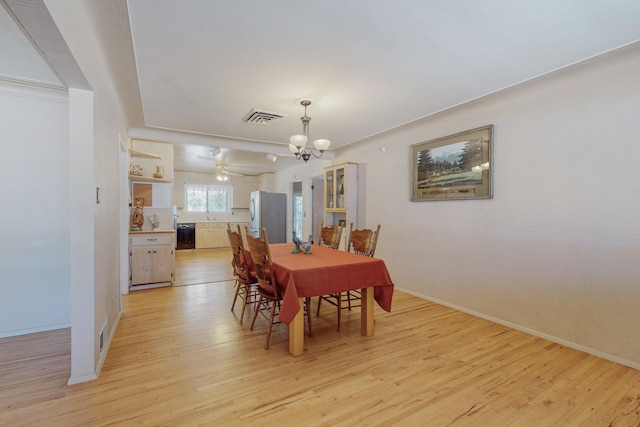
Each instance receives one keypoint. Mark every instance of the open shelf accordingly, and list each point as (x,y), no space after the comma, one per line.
(147,178)
(142,154)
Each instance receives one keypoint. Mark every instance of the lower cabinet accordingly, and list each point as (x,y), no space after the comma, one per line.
(211,235)
(151,260)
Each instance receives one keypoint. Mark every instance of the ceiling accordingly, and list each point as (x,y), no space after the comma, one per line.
(190,71)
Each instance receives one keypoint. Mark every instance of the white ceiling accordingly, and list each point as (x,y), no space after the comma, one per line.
(197,67)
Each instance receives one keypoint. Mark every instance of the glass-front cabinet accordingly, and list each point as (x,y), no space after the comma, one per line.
(340,195)
(329,189)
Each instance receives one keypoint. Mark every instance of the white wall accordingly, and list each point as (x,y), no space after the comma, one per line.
(96,299)
(82,260)
(34,224)
(555,252)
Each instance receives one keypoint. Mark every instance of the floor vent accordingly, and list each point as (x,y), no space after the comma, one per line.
(261,117)
(102,339)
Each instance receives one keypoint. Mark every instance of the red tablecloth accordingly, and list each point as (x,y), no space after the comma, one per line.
(326,271)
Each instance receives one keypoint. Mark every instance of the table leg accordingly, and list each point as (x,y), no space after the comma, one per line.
(366,313)
(296,332)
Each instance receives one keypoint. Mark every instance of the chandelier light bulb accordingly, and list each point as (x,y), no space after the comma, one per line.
(321,144)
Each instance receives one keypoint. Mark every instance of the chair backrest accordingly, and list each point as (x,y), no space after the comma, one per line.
(363,242)
(261,257)
(330,236)
(237,249)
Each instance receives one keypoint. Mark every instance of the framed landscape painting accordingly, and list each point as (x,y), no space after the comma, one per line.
(454,167)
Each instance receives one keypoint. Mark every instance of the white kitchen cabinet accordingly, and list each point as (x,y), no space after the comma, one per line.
(151,259)
(265,182)
(242,188)
(211,235)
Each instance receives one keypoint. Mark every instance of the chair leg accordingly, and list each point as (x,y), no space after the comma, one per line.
(235,297)
(255,313)
(246,295)
(318,311)
(273,314)
(339,298)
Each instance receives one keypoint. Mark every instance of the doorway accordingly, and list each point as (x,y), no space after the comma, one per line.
(306,215)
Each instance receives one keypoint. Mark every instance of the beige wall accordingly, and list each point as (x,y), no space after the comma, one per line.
(555,252)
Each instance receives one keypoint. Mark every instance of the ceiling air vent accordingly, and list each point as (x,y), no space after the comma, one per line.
(261,117)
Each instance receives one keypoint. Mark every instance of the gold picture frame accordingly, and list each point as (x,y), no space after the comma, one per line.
(454,167)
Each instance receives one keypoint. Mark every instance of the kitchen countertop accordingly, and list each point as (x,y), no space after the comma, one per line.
(156,231)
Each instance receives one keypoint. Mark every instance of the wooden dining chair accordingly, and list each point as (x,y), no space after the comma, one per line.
(269,296)
(330,235)
(246,282)
(361,242)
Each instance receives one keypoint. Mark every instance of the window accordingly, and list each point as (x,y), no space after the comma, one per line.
(297,209)
(200,198)
(297,214)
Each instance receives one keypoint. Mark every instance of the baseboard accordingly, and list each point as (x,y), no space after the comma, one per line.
(34,330)
(526,330)
(82,379)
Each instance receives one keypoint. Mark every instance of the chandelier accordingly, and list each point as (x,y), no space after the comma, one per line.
(222,173)
(299,142)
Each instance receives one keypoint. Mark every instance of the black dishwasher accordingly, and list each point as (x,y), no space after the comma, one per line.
(186,236)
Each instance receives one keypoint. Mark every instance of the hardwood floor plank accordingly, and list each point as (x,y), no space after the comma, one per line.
(202,266)
(180,357)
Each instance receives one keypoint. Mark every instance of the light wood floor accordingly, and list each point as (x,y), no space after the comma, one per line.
(181,358)
(202,266)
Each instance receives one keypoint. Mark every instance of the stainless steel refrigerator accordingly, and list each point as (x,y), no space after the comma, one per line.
(268,210)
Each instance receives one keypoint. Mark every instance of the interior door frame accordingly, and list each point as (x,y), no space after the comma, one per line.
(317,205)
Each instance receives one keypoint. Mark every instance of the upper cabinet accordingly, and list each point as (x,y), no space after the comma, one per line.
(341,196)
(151,161)
(242,188)
(340,187)
(244,185)
(266,182)
(151,194)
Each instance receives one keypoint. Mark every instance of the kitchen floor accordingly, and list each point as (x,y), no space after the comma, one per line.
(203,266)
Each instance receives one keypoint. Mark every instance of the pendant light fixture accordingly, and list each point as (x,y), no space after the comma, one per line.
(298,142)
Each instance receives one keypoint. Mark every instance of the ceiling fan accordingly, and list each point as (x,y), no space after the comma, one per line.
(223,174)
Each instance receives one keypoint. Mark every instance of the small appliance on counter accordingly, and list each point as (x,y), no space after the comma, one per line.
(155,221)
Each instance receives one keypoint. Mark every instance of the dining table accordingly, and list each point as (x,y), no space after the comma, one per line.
(326,271)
